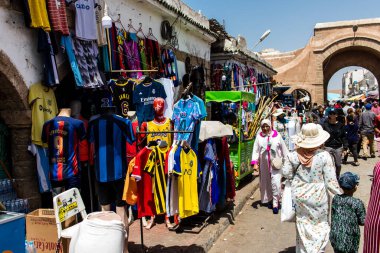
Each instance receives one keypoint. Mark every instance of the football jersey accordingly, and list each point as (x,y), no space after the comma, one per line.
(172,185)
(143,97)
(62,135)
(109,133)
(155,166)
(187,182)
(44,108)
(197,131)
(130,185)
(145,200)
(122,94)
(160,128)
(185,115)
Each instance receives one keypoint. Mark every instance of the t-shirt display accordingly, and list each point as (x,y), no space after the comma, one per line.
(44,108)
(145,201)
(185,114)
(109,133)
(187,181)
(153,126)
(63,134)
(85,20)
(122,93)
(143,97)
(155,166)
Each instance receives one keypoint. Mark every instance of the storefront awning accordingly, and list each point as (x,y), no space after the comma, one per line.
(232,96)
(214,129)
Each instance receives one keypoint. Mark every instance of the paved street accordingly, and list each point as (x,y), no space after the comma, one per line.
(256,229)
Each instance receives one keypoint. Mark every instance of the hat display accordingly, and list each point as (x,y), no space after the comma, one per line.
(278,112)
(348,180)
(311,136)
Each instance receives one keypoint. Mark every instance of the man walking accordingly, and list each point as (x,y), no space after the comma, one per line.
(367,131)
(337,144)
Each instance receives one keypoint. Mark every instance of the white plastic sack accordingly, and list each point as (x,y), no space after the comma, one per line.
(288,212)
(99,232)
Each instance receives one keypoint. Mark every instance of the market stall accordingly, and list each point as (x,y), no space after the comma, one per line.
(241,146)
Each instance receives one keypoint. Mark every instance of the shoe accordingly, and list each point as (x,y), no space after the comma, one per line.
(356,163)
(275,210)
(364,158)
(373,156)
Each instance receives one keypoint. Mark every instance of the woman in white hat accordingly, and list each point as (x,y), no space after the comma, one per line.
(312,174)
(268,153)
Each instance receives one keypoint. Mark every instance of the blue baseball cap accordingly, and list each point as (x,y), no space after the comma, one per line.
(349,180)
(368,106)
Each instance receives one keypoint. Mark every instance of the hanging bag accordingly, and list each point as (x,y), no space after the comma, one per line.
(288,208)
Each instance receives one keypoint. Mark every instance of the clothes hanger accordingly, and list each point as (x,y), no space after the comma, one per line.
(130,27)
(140,31)
(150,35)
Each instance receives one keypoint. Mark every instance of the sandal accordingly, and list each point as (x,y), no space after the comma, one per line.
(356,163)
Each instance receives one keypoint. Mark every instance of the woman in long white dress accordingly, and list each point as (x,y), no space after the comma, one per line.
(312,173)
(269,145)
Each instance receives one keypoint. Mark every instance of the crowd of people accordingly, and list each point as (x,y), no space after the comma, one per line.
(310,154)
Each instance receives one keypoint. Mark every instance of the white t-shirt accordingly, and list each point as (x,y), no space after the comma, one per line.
(169,101)
(85,20)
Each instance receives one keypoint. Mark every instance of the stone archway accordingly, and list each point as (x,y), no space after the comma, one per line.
(15,113)
(333,46)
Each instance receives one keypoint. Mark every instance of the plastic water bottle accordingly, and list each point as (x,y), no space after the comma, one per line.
(26,246)
(32,249)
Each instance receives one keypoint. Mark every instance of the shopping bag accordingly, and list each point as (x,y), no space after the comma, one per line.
(288,212)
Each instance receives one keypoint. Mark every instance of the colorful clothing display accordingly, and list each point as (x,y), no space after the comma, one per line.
(122,93)
(169,61)
(143,97)
(155,166)
(109,133)
(310,188)
(185,114)
(44,108)
(63,134)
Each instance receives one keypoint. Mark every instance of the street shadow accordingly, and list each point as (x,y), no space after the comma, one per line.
(289,250)
(136,248)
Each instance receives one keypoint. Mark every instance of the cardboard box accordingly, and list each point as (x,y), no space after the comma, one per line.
(41,228)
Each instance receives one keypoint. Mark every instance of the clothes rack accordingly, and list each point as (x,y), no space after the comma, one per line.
(138,133)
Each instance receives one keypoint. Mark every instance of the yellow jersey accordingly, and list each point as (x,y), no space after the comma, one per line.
(187,183)
(44,108)
(165,126)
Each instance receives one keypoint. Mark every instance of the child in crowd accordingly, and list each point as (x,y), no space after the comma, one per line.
(348,213)
(352,133)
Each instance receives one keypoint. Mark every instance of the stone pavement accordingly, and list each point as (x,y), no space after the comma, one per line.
(256,229)
(159,239)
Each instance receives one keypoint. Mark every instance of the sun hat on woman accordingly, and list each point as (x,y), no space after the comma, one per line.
(311,136)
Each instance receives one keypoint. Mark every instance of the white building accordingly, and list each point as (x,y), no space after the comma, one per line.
(358,81)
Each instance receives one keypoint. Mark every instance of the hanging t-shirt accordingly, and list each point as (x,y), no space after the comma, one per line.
(169,101)
(172,185)
(44,108)
(45,47)
(109,134)
(131,148)
(185,115)
(42,167)
(143,97)
(85,20)
(145,202)
(202,107)
(122,94)
(155,166)
(160,128)
(187,182)
(63,134)
(130,194)
(67,46)
(57,14)
(38,14)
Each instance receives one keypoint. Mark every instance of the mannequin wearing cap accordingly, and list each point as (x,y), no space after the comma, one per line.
(162,140)
(312,174)
(268,146)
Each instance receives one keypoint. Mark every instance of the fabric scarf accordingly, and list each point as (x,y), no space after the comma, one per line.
(306,155)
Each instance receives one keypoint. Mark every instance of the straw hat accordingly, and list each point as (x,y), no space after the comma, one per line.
(311,136)
(278,112)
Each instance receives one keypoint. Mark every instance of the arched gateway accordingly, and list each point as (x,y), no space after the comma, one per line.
(334,46)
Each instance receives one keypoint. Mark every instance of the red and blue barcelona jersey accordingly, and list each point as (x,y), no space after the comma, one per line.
(63,134)
(108,134)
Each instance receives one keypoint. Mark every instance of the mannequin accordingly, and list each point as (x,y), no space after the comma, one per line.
(164,140)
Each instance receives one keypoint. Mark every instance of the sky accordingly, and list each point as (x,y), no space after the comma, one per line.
(291,21)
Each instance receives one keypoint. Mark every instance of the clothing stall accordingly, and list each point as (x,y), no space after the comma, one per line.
(241,105)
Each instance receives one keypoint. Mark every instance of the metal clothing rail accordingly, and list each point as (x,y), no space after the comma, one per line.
(138,133)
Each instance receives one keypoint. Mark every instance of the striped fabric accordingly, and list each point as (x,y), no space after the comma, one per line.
(372,220)
(57,15)
(109,134)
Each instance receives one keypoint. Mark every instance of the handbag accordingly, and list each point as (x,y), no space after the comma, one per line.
(288,208)
(276,162)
